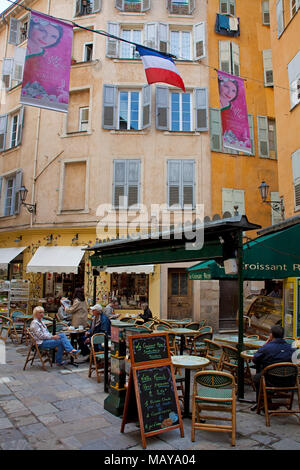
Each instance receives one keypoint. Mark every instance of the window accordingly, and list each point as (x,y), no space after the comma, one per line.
(126,109)
(268,67)
(231,198)
(296,177)
(87,7)
(9,193)
(18,30)
(88,52)
(216,141)
(186,43)
(84,119)
(74,174)
(179,284)
(266,128)
(11,127)
(229,57)
(178,111)
(227,7)
(126,183)
(181,183)
(295,5)
(280,17)
(77,119)
(275,214)
(13,67)
(294,80)
(181,7)
(133,5)
(266,12)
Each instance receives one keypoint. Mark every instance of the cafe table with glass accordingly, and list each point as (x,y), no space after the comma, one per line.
(234,339)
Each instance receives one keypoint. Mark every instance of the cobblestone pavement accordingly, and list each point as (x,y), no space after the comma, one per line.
(63,409)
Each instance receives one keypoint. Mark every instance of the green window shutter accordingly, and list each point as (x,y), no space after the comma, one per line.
(162,108)
(112,45)
(109,106)
(188,183)
(146,104)
(263,140)
(215,130)
(174,183)
(225,56)
(251,129)
(201,105)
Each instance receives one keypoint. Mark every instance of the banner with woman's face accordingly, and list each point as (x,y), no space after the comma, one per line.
(47,68)
(234,115)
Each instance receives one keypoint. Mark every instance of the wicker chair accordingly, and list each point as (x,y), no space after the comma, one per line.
(289,339)
(214,391)
(279,381)
(202,323)
(35,351)
(6,325)
(214,353)
(198,346)
(149,324)
(194,325)
(97,358)
(230,360)
(162,326)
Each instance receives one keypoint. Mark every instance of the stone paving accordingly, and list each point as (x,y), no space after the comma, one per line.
(63,410)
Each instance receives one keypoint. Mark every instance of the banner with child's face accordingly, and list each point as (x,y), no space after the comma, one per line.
(234,115)
(46,77)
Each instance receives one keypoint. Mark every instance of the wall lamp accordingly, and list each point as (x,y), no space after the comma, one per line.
(23,191)
(276,206)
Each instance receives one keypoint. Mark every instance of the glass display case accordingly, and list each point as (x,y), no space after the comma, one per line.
(291,317)
(262,313)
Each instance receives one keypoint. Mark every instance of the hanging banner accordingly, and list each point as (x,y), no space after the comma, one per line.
(234,115)
(47,68)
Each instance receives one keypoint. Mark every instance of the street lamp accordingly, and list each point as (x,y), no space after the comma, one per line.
(276,206)
(23,191)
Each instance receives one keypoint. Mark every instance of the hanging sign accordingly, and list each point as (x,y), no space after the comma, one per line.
(47,68)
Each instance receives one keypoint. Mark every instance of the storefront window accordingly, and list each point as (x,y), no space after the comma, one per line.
(131,290)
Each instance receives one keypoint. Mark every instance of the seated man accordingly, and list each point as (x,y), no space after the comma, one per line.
(276,349)
(147,315)
(100,324)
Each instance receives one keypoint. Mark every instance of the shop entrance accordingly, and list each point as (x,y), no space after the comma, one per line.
(228,304)
(180,294)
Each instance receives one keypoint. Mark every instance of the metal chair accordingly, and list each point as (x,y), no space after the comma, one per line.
(214,353)
(35,351)
(214,391)
(97,357)
(278,381)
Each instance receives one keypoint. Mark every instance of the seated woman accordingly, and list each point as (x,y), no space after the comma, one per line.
(44,339)
(147,315)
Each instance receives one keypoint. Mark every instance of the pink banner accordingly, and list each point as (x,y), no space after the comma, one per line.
(234,115)
(47,68)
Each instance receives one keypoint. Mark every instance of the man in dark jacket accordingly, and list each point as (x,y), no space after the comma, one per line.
(275,350)
(100,324)
(147,315)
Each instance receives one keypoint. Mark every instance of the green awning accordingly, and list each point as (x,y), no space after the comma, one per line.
(272,256)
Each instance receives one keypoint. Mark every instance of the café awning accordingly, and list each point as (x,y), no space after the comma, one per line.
(141,269)
(9,254)
(56,259)
(272,256)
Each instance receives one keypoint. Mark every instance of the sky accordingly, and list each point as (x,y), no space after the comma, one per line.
(4,4)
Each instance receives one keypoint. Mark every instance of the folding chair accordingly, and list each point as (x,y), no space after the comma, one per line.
(6,325)
(97,357)
(35,351)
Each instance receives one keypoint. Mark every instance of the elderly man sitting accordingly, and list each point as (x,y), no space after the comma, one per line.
(100,324)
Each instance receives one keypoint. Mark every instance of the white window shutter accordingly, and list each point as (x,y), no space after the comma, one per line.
(280,17)
(162,108)
(191,6)
(239,200)
(119,183)
(201,102)
(263,140)
(120,4)
(112,45)
(268,67)
(266,12)
(174,183)
(235,59)
(20,126)
(215,130)
(146,104)
(146,4)
(109,106)
(275,214)
(133,182)
(18,184)
(163,35)
(19,61)
(14,31)
(151,35)
(231,7)
(7,70)
(296,165)
(251,130)
(188,182)
(227,201)
(225,56)
(97,6)
(199,41)
(294,76)
(3,130)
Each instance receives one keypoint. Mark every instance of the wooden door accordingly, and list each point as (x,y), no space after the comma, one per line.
(228,304)
(180,294)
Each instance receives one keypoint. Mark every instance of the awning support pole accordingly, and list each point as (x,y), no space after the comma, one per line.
(241,316)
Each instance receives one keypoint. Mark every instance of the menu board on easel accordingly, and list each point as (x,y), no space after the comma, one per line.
(152,385)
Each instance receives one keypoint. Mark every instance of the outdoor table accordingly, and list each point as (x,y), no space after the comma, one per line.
(73,339)
(188,363)
(234,339)
(181,323)
(248,355)
(182,332)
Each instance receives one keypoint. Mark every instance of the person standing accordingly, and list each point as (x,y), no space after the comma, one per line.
(78,309)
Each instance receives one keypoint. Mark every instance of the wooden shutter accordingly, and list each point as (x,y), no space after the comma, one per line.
(174,182)
(231,198)
(266,12)
(163,34)
(201,101)
(151,35)
(263,140)
(231,7)
(275,214)
(14,31)
(112,45)
(146,104)
(7,70)
(20,126)
(133,182)
(235,59)
(3,130)
(251,130)
(18,184)
(109,106)
(215,130)
(120,5)
(19,61)
(268,67)
(146,4)
(119,184)
(162,108)
(225,56)
(280,17)
(97,6)
(188,178)
(199,41)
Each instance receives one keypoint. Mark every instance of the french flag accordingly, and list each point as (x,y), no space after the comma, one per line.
(160,68)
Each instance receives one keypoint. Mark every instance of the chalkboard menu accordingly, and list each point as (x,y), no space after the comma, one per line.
(149,348)
(157,398)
